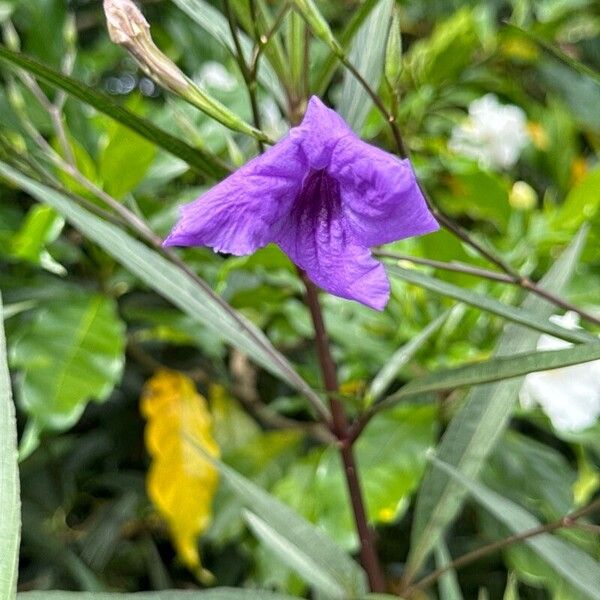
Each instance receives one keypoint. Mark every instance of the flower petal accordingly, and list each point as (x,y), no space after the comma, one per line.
(381,198)
(316,237)
(237,215)
(319,132)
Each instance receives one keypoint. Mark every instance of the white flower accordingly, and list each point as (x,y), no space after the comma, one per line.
(569,396)
(215,75)
(494,134)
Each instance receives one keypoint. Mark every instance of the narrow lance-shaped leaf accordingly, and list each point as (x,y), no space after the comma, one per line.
(400,358)
(214,594)
(367,55)
(448,584)
(10,515)
(572,563)
(193,297)
(201,160)
(520,315)
(474,431)
(284,524)
(495,369)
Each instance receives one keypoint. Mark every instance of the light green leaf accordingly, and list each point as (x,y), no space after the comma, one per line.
(474,431)
(194,298)
(215,594)
(512,588)
(448,583)
(399,359)
(576,566)
(124,160)
(10,515)
(520,315)
(202,161)
(301,561)
(42,226)
(72,353)
(305,538)
(367,55)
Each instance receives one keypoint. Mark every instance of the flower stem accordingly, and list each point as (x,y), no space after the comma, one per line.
(340,427)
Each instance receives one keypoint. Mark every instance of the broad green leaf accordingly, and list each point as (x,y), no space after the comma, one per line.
(214,594)
(399,359)
(193,297)
(181,483)
(42,226)
(124,160)
(202,161)
(390,454)
(301,561)
(367,55)
(10,515)
(582,202)
(576,566)
(215,24)
(520,315)
(474,431)
(495,369)
(448,583)
(72,353)
(306,539)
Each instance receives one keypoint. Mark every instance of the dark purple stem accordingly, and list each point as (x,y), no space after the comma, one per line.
(340,428)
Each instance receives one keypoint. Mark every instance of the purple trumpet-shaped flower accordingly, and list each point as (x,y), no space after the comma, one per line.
(324,197)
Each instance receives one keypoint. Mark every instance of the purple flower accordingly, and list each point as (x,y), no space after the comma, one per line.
(325,197)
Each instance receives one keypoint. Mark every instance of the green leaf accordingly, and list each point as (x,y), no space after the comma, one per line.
(576,65)
(202,161)
(215,594)
(390,455)
(474,431)
(124,160)
(42,226)
(512,588)
(280,526)
(367,55)
(10,515)
(322,77)
(448,583)
(194,298)
(215,24)
(582,203)
(496,369)
(520,315)
(72,353)
(299,559)
(576,566)
(400,358)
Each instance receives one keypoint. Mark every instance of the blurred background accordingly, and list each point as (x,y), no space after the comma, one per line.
(506,136)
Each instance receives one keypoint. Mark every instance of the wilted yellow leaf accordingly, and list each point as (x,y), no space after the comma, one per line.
(181,483)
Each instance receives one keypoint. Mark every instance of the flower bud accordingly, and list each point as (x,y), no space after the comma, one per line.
(127,27)
(318,25)
(522,196)
(393,52)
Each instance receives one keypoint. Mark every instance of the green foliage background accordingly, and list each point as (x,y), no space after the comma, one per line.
(85,330)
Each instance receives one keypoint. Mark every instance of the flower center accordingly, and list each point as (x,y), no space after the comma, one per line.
(319,201)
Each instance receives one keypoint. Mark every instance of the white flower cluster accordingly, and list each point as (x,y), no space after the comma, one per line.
(494,134)
(569,396)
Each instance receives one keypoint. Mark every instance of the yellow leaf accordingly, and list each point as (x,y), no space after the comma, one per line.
(181,483)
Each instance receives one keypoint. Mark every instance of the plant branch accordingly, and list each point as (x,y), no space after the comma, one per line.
(248,73)
(565,522)
(339,427)
(519,280)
